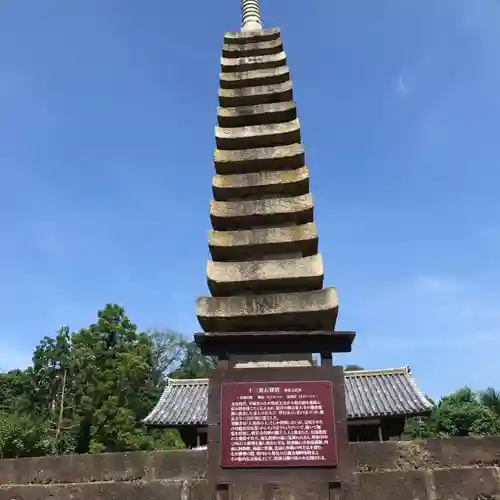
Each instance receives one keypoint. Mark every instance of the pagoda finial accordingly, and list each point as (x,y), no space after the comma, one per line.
(250,15)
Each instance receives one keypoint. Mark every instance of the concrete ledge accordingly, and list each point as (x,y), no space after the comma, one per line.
(262,94)
(258,136)
(436,469)
(260,114)
(266,76)
(229,215)
(463,454)
(253,62)
(278,182)
(235,50)
(244,245)
(136,490)
(439,484)
(478,484)
(394,485)
(431,453)
(259,159)
(282,311)
(302,274)
(100,467)
(251,36)
(462,451)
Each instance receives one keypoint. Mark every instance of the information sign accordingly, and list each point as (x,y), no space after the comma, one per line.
(277,424)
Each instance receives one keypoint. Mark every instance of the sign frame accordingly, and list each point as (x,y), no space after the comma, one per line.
(226,372)
(294,392)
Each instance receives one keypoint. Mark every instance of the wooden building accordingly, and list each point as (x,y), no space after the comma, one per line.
(378,403)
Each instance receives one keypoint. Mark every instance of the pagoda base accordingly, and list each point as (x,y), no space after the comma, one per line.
(234,392)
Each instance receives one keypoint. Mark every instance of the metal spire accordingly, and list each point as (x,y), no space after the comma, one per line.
(250,15)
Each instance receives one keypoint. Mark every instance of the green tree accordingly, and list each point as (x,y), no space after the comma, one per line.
(462,414)
(169,349)
(16,391)
(490,398)
(459,414)
(53,382)
(352,368)
(166,439)
(193,363)
(88,391)
(21,437)
(33,402)
(114,374)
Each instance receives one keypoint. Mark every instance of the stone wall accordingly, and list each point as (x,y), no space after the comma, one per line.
(458,469)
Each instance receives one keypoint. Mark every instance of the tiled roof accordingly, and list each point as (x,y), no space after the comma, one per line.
(369,394)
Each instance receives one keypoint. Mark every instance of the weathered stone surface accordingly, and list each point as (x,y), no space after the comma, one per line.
(88,491)
(261,94)
(440,484)
(227,215)
(259,159)
(248,491)
(102,467)
(305,490)
(258,136)
(198,490)
(261,207)
(75,468)
(282,311)
(386,457)
(285,182)
(426,454)
(282,275)
(252,49)
(251,36)
(177,465)
(252,62)
(465,484)
(264,241)
(460,451)
(266,76)
(260,114)
(400,471)
(392,485)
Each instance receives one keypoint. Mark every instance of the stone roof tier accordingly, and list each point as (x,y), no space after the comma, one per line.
(300,311)
(264,242)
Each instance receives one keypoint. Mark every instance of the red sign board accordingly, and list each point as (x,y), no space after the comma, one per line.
(277,424)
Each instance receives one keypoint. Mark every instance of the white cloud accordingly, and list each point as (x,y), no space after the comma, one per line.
(402,87)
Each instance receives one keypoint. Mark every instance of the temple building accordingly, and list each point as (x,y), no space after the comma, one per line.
(378,403)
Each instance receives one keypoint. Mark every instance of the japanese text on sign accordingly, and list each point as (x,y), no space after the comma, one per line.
(267,424)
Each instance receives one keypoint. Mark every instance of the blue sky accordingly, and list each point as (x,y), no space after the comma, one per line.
(107,111)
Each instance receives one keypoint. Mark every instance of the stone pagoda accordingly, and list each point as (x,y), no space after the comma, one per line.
(265,272)
(268,311)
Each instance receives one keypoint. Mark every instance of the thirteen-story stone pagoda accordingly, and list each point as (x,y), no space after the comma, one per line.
(265,272)
(270,410)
